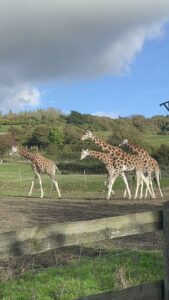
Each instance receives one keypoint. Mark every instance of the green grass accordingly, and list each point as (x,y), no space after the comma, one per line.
(4,128)
(153,140)
(15,180)
(156,140)
(86,277)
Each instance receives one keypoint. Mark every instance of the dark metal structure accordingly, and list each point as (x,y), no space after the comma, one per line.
(166,104)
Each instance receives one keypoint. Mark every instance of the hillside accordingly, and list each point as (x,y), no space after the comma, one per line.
(59,136)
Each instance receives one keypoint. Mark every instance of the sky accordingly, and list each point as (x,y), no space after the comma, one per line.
(103,57)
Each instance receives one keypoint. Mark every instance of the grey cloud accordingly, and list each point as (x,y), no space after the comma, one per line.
(65,40)
(43,40)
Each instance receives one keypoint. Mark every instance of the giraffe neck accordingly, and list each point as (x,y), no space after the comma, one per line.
(133,148)
(104,146)
(25,153)
(101,156)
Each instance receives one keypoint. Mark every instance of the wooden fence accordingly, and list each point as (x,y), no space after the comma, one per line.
(40,239)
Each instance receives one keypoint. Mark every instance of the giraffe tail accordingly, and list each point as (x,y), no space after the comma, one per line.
(56,167)
(157,171)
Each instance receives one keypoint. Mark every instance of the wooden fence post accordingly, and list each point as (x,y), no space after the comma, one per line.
(166,249)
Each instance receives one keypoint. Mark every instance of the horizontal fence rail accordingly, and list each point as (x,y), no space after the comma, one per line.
(40,239)
(150,291)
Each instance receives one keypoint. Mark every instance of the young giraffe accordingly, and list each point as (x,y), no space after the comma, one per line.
(150,164)
(40,165)
(115,167)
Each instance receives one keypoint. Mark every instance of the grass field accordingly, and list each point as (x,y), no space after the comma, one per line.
(85,277)
(4,128)
(156,140)
(15,180)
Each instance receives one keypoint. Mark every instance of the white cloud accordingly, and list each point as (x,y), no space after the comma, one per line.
(27,96)
(65,40)
(112,115)
(18,98)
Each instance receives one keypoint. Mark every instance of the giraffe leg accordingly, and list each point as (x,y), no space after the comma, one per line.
(32,185)
(146,193)
(40,184)
(147,182)
(151,187)
(106,184)
(125,193)
(141,189)
(110,184)
(157,173)
(126,184)
(55,183)
(138,184)
(51,190)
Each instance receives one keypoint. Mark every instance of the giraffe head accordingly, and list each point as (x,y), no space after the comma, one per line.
(84,153)
(14,149)
(87,135)
(124,142)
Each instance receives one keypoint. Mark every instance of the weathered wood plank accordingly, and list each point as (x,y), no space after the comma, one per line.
(150,291)
(37,240)
(166,249)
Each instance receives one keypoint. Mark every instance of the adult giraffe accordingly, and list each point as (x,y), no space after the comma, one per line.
(150,164)
(40,165)
(115,167)
(115,152)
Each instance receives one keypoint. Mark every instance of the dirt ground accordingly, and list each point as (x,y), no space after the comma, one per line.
(17,213)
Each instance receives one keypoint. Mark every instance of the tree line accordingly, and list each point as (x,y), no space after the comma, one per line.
(57,135)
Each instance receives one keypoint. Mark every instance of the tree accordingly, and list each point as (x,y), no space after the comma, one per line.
(55,136)
(75,118)
(6,141)
(162,155)
(40,136)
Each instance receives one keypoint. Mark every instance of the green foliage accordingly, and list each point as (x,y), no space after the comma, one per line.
(75,118)
(60,135)
(121,131)
(6,142)
(162,155)
(55,136)
(40,136)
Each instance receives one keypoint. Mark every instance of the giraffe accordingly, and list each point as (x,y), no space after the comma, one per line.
(150,164)
(115,167)
(40,165)
(115,151)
